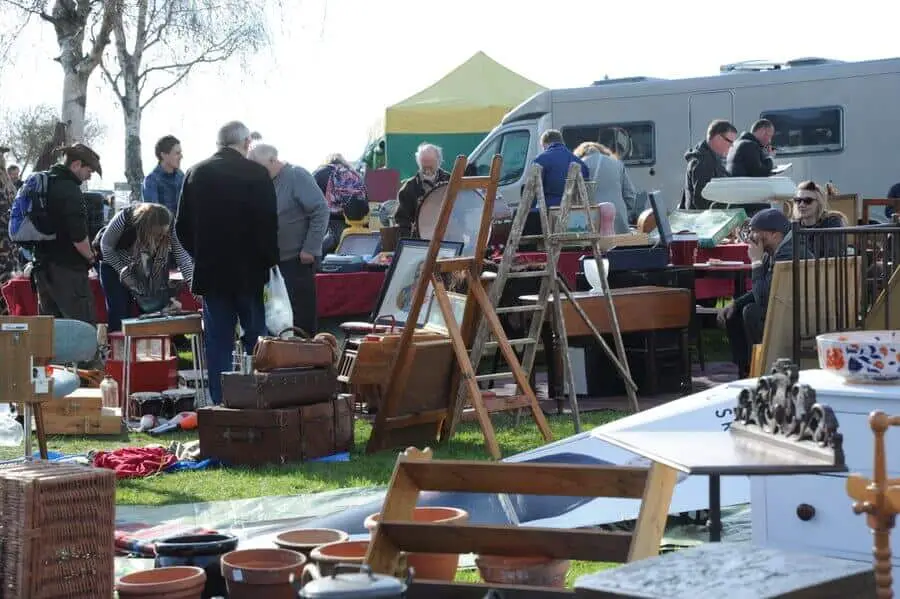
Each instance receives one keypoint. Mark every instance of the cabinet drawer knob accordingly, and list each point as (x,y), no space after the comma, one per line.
(806,512)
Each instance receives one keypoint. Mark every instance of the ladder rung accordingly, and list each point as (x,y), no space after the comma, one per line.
(528,274)
(518,309)
(494,376)
(513,342)
(532,238)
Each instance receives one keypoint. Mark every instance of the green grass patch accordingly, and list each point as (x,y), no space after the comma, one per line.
(293,479)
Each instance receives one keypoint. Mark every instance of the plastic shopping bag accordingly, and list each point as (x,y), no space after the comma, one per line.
(279,315)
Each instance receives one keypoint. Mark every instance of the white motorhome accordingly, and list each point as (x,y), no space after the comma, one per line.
(835,121)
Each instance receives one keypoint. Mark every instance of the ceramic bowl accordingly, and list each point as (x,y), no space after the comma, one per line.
(861,356)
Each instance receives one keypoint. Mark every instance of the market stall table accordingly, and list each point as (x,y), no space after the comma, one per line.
(346,294)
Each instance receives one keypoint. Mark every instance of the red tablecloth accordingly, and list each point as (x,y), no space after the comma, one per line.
(349,294)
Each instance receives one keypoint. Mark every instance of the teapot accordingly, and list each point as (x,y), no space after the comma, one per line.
(357,582)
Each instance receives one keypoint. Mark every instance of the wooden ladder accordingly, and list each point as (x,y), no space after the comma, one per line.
(415,471)
(478,306)
(529,344)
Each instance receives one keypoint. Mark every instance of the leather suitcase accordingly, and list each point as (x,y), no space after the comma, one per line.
(327,428)
(284,388)
(250,437)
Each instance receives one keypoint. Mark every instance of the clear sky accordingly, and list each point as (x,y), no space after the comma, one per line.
(336,64)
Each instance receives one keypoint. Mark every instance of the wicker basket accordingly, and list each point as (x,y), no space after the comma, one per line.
(57,526)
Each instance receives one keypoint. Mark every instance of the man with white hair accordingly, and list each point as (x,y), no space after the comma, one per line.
(228,222)
(429,158)
(302,222)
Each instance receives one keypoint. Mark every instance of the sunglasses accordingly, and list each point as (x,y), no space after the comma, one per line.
(806,201)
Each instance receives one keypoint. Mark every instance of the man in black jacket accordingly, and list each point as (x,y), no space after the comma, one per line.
(61,266)
(430,174)
(771,241)
(228,222)
(706,162)
(751,155)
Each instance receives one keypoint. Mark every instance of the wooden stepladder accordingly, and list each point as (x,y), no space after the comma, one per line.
(576,196)
(478,306)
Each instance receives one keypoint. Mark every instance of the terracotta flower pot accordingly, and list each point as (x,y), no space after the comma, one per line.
(525,571)
(178,582)
(431,566)
(327,556)
(304,540)
(255,573)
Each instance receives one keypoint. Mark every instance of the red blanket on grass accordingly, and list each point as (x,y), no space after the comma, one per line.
(135,462)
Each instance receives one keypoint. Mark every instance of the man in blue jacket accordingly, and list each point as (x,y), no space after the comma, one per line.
(163,184)
(555,161)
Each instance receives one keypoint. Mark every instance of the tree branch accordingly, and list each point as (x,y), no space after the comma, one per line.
(111,10)
(36,8)
(113,81)
(178,79)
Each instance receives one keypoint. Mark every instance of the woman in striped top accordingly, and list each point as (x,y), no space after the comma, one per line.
(134,254)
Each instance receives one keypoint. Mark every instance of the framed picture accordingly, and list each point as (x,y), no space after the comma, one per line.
(662,218)
(435,320)
(403,276)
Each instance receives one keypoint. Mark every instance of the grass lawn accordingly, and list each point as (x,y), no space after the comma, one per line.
(361,470)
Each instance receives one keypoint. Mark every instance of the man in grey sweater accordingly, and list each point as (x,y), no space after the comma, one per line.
(302,222)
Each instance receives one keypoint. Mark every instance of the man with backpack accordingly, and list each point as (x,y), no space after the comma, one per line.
(345,193)
(49,215)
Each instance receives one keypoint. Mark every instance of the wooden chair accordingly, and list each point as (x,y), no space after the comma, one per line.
(879,499)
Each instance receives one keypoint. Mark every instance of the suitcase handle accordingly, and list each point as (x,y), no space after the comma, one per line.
(249,435)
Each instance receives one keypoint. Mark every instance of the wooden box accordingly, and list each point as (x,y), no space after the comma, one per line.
(106,421)
(86,401)
(255,437)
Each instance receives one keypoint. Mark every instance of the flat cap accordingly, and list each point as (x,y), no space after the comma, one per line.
(770,219)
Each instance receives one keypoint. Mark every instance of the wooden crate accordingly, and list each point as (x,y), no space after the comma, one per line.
(82,402)
(107,421)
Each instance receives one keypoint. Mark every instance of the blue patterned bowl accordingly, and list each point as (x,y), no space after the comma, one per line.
(861,356)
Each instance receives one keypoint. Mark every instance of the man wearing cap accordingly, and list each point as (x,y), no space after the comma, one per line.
(771,241)
(61,266)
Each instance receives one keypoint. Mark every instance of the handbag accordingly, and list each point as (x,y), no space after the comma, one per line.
(272,353)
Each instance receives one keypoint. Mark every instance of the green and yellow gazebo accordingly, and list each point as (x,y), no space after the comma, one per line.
(455,113)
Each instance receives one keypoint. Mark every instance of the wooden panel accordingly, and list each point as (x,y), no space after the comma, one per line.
(644,308)
(531,479)
(426,589)
(589,545)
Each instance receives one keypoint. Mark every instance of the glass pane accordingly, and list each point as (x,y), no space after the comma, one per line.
(804,130)
(633,142)
(482,162)
(515,154)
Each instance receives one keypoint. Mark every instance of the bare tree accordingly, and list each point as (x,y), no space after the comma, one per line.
(83,29)
(26,131)
(158,43)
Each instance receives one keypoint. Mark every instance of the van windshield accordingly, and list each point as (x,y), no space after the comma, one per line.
(513,147)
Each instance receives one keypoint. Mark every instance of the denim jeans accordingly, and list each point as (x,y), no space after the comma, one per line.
(221,313)
(119,301)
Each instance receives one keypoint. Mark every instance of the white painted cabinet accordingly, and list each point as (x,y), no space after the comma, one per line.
(814,513)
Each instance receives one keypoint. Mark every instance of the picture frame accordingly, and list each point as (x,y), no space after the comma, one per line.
(578,216)
(663,226)
(435,320)
(395,297)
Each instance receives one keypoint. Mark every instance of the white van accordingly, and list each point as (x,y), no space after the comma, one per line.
(834,121)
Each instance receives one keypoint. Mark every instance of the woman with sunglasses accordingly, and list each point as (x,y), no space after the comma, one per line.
(810,209)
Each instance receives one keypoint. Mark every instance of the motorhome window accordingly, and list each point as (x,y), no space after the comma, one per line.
(807,130)
(513,147)
(634,142)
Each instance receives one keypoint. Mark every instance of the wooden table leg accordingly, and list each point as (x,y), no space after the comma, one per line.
(654,512)
(38,411)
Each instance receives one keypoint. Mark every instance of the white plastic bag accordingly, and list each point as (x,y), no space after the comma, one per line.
(279,315)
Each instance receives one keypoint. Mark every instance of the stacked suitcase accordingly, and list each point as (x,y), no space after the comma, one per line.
(276,417)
